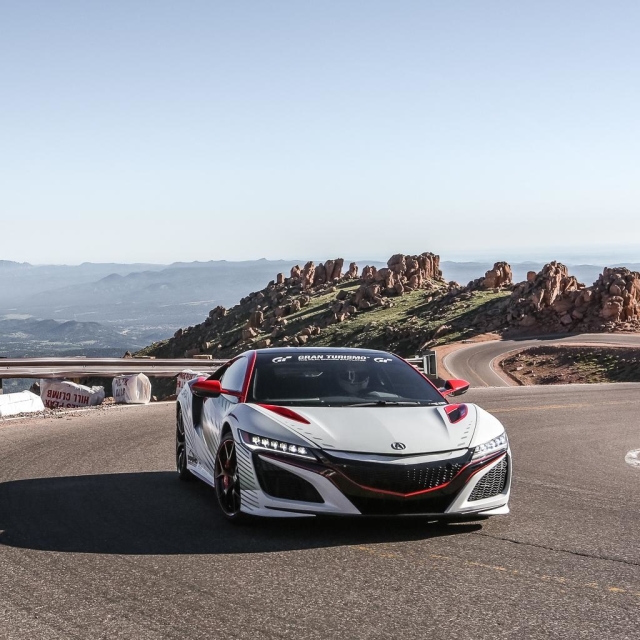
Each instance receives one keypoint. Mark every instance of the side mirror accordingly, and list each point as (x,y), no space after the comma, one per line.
(454,388)
(206,388)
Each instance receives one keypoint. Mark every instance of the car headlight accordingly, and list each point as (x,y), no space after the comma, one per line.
(255,442)
(492,446)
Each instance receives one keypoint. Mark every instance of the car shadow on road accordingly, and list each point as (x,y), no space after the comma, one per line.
(154,513)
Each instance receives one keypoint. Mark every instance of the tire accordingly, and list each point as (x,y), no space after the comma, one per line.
(181,450)
(227,481)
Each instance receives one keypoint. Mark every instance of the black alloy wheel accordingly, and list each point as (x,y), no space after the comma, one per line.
(181,449)
(227,480)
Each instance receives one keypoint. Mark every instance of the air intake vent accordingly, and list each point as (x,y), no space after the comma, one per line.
(279,483)
(493,483)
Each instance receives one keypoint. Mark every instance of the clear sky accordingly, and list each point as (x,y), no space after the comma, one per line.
(196,130)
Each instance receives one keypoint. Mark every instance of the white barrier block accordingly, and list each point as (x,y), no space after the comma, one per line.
(12,404)
(184,377)
(61,394)
(135,389)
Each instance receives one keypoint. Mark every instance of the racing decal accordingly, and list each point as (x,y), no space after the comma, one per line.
(245,468)
(316,357)
(329,357)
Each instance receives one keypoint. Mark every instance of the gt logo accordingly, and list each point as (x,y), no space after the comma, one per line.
(281,359)
(398,446)
(383,360)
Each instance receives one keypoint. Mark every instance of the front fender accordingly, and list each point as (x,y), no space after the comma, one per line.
(488,427)
(262,422)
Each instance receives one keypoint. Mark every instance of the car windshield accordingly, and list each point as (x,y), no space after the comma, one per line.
(339,379)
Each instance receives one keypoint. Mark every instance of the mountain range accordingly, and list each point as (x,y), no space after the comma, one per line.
(118,307)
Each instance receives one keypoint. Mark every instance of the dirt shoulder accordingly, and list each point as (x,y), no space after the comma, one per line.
(573,364)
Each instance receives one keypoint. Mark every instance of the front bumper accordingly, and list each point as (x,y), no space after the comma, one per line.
(441,485)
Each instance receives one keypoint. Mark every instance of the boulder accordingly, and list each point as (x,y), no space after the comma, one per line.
(352,273)
(498,277)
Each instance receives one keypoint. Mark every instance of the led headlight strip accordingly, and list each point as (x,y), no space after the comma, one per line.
(492,446)
(255,442)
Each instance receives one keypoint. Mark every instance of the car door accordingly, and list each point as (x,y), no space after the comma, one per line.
(216,409)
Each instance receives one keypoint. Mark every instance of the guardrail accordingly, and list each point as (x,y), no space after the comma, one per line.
(86,367)
(78,367)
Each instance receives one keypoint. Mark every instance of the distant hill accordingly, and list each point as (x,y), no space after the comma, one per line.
(148,302)
(408,306)
(160,299)
(142,301)
(8,264)
(22,338)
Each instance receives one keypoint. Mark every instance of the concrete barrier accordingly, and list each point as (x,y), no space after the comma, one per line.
(12,404)
(134,389)
(60,394)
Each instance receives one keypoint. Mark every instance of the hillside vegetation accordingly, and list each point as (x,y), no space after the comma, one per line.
(407,306)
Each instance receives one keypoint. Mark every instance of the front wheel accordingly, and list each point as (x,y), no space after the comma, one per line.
(227,480)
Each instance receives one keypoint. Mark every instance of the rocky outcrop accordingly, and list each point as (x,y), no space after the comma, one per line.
(312,275)
(352,273)
(402,274)
(276,314)
(556,301)
(304,306)
(500,277)
(616,294)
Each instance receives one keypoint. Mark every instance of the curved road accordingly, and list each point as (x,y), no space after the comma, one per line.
(474,362)
(98,539)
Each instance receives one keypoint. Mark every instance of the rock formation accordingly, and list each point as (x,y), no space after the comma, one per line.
(556,301)
(295,310)
(401,275)
(500,277)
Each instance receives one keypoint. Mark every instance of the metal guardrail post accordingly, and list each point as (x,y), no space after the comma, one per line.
(430,363)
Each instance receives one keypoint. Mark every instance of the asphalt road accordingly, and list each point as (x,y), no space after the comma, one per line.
(475,362)
(98,539)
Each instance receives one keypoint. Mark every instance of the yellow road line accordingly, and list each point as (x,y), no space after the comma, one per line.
(576,405)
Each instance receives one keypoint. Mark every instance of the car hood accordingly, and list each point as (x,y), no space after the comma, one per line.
(375,429)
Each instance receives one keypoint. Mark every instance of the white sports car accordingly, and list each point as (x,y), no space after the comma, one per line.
(297,432)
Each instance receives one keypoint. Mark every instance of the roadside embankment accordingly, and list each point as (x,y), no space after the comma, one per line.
(561,364)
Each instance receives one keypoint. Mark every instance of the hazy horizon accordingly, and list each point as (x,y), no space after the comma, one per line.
(492,256)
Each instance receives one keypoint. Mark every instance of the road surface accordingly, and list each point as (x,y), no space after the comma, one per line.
(99,539)
(475,362)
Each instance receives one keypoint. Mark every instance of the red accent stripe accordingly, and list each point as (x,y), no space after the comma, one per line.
(452,408)
(248,375)
(285,412)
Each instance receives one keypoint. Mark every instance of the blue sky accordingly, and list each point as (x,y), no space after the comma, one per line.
(196,130)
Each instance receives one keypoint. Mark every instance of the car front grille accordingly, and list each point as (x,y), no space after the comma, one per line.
(399,478)
(493,483)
